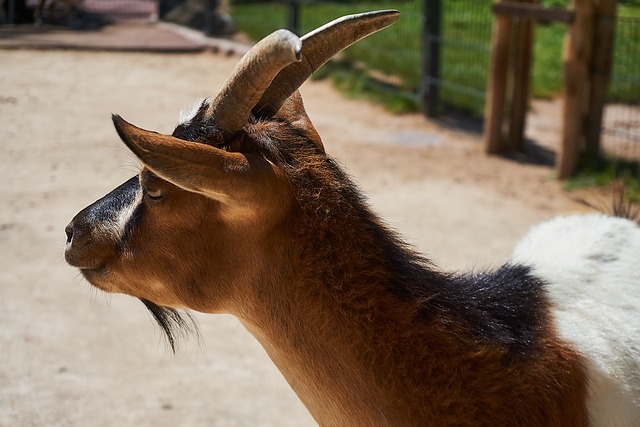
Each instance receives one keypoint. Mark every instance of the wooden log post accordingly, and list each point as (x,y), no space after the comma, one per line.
(523,43)
(497,85)
(577,62)
(602,59)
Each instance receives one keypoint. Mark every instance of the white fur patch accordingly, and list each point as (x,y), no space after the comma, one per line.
(117,226)
(187,115)
(592,266)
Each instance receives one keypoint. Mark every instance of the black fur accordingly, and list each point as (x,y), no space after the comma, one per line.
(507,306)
(172,322)
(109,207)
(197,129)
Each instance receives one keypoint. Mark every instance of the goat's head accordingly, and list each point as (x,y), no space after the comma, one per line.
(198,226)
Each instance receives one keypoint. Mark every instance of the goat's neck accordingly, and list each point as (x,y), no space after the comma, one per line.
(322,353)
(333,334)
(357,352)
(338,315)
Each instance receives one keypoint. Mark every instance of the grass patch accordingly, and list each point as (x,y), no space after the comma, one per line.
(358,83)
(599,171)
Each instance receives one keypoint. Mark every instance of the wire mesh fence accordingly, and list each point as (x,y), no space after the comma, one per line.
(379,52)
(463,39)
(395,55)
(465,51)
(621,125)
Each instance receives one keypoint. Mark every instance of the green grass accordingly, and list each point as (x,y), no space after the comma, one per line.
(465,52)
(356,82)
(602,171)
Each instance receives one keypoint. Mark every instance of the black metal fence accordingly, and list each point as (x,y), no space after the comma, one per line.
(456,56)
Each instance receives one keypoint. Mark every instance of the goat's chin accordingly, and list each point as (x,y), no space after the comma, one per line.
(174,324)
(98,278)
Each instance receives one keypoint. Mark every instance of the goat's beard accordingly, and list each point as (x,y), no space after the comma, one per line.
(173,323)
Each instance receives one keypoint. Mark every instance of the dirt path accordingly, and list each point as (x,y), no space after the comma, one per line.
(75,357)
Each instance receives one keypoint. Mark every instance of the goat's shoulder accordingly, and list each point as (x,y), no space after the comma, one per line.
(506,306)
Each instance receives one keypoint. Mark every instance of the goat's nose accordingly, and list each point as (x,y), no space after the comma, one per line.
(78,234)
(69,231)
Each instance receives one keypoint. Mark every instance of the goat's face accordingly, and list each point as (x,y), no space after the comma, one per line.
(197,232)
(204,220)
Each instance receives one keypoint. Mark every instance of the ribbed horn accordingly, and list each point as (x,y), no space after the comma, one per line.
(251,76)
(318,47)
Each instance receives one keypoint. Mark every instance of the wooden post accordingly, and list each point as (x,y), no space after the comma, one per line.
(577,61)
(497,85)
(431,39)
(521,81)
(602,59)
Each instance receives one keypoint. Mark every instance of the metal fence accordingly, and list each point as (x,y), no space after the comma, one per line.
(460,34)
(396,55)
(621,125)
(378,52)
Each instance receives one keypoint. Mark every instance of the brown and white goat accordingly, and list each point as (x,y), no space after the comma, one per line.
(241,211)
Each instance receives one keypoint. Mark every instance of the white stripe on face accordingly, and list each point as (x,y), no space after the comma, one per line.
(116,225)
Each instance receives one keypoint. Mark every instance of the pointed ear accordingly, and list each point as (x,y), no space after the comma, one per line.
(293,111)
(232,178)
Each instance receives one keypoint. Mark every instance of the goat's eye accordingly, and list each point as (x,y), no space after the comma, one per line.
(154,194)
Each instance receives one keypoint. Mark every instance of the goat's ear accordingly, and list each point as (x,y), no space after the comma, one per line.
(293,111)
(225,176)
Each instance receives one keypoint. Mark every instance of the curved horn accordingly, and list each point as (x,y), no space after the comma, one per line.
(318,47)
(252,75)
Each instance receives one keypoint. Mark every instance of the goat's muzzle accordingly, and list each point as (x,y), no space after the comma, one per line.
(94,233)
(81,249)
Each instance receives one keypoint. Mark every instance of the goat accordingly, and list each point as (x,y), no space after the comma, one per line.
(241,211)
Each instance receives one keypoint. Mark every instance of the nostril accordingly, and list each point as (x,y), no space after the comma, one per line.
(69,231)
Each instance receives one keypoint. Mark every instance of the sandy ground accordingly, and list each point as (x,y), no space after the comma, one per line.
(73,356)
